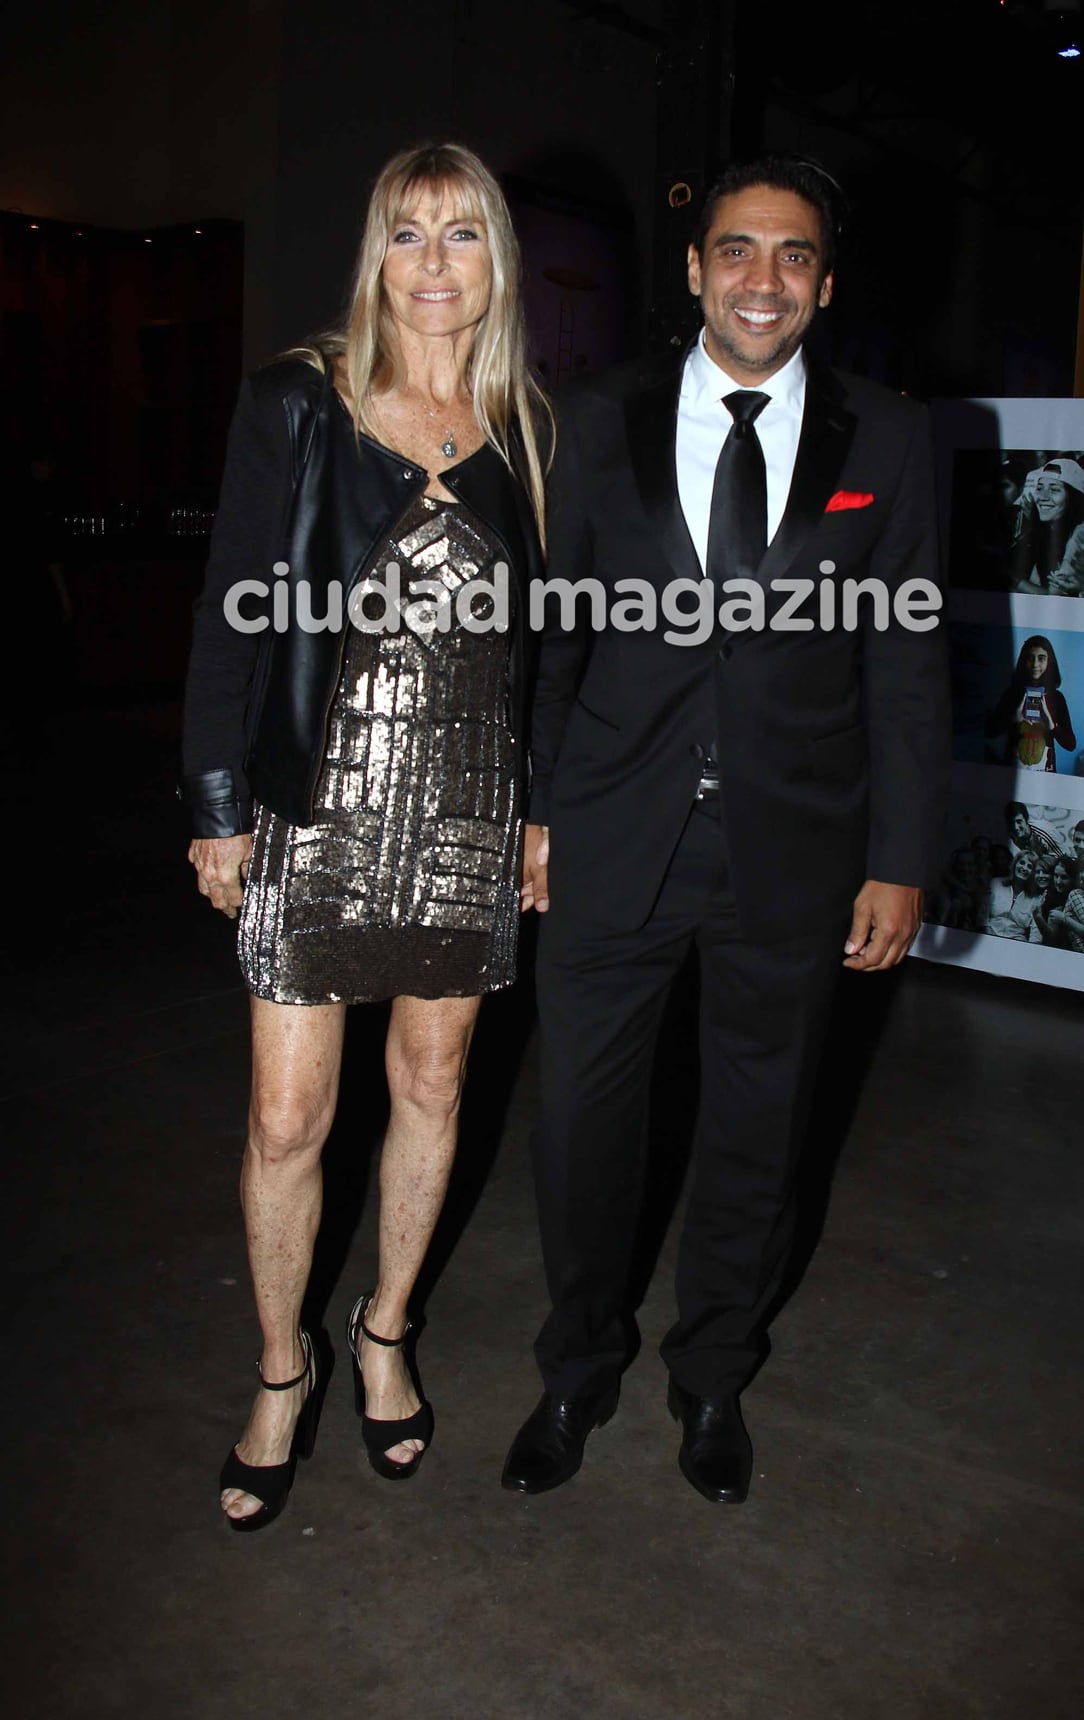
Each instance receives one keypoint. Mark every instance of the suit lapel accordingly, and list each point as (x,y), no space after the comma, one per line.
(651,426)
(827,432)
(828,429)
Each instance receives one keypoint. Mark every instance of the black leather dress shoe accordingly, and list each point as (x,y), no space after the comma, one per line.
(716,1455)
(548,1449)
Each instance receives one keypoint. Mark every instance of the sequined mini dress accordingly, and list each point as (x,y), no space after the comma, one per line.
(407,883)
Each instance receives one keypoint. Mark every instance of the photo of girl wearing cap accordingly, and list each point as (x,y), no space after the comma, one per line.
(1048,555)
(1031,713)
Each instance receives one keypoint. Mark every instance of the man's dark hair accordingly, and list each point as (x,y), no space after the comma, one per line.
(1012,808)
(800,174)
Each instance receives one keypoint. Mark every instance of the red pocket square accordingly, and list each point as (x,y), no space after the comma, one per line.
(848,499)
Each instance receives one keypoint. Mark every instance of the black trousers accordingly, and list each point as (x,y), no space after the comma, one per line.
(763,1013)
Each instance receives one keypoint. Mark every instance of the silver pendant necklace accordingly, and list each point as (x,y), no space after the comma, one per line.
(448,447)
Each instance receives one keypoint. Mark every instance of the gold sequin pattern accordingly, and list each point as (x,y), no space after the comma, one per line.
(408,881)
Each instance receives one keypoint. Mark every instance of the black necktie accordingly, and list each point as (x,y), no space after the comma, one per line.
(738,523)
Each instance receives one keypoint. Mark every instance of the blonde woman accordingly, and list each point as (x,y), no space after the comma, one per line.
(355,789)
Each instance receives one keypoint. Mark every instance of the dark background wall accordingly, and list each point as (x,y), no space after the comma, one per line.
(128,114)
(562,103)
(954,127)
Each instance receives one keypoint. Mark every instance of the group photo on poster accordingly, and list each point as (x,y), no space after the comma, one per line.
(1013,871)
(1010,897)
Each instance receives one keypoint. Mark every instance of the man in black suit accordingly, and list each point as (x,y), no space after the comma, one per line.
(769,791)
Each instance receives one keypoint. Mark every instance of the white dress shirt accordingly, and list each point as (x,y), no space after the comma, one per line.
(704,423)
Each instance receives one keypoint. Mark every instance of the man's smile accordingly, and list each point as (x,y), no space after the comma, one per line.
(756,320)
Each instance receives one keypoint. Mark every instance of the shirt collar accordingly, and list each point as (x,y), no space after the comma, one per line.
(705,381)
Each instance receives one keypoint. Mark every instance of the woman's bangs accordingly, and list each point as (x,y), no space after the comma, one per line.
(427,195)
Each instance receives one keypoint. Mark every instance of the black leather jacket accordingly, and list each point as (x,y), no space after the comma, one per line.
(300,488)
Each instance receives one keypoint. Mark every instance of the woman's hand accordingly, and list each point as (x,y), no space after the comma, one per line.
(1033,719)
(535,891)
(221,864)
(1067,581)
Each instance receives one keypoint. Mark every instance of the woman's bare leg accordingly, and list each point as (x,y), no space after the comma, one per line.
(296,1054)
(426,1058)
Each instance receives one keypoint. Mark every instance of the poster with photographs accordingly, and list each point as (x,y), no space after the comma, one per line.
(1011,486)
(1010,898)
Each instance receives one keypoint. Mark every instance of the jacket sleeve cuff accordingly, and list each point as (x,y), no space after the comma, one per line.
(218,807)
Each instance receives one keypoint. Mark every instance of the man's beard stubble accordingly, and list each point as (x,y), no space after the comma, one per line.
(770,361)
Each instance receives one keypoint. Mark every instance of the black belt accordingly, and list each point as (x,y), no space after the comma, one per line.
(708,786)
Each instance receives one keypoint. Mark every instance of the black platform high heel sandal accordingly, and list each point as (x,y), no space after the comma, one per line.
(379,1436)
(271,1482)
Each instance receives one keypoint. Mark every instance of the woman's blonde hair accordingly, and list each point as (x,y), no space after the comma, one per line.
(505,394)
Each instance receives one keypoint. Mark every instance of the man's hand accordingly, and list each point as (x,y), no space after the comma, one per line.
(221,863)
(535,890)
(883,927)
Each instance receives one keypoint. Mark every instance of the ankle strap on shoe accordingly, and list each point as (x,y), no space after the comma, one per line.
(388,1343)
(356,1324)
(287,1385)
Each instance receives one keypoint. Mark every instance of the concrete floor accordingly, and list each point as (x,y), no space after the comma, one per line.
(910,1550)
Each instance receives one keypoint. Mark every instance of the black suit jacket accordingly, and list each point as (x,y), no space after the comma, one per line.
(833,743)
